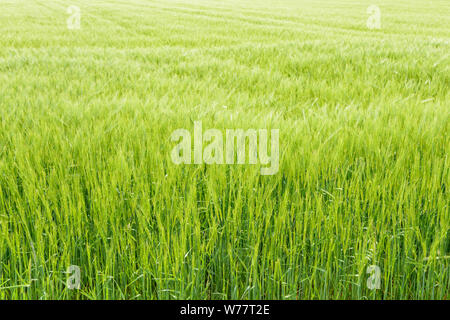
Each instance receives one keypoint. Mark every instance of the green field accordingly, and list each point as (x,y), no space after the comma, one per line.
(86,176)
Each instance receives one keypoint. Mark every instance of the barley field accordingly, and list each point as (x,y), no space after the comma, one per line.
(87,181)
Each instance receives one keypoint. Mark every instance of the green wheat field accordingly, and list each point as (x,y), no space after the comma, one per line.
(87,180)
